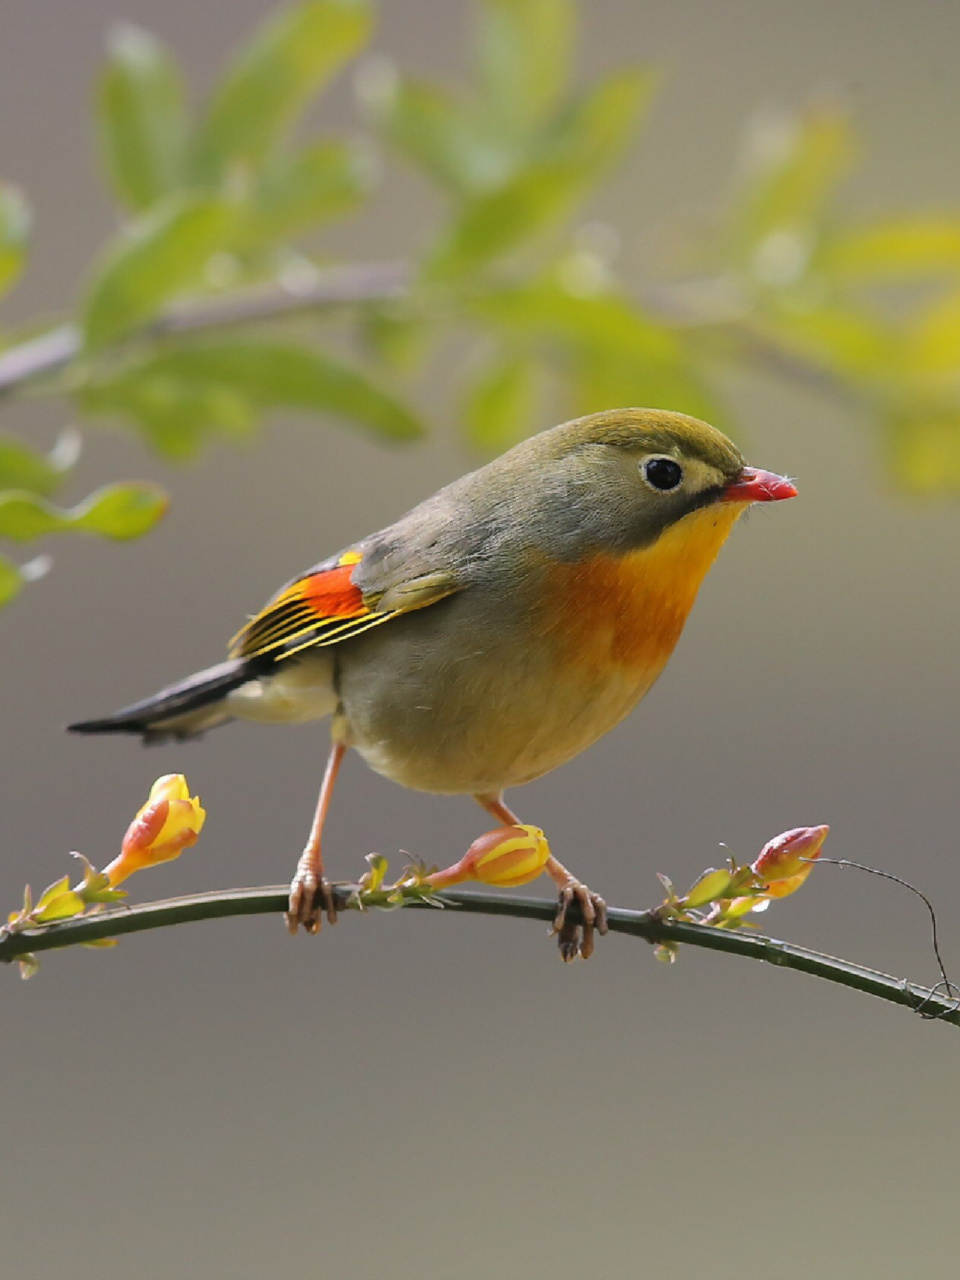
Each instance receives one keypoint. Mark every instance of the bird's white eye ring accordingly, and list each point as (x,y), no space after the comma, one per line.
(661,473)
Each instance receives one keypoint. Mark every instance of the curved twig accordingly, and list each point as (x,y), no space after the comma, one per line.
(640,924)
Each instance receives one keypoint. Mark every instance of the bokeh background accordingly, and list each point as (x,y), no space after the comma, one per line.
(424,1095)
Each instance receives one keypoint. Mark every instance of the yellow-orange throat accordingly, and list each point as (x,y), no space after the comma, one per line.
(630,609)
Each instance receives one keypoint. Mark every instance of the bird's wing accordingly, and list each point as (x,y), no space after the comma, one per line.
(325,606)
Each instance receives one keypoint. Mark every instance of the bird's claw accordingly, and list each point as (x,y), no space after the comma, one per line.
(310,893)
(576,938)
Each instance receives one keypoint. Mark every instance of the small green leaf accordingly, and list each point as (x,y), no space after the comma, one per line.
(11,580)
(524,54)
(501,405)
(121,511)
(373,879)
(285,375)
(163,254)
(710,886)
(273,79)
(58,902)
(299,193)
(24,468)
(143,122)
(14,232)
(118,511)
(53,891)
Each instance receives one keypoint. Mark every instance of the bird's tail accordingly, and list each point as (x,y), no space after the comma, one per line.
(182,710)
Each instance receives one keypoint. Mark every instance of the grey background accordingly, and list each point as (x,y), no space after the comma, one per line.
(433,1096)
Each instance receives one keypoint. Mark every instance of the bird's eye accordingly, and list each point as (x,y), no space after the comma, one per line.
(662,473)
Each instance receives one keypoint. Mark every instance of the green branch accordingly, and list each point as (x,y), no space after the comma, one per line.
(639,924)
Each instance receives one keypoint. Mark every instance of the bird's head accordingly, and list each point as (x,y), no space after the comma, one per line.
(621,480)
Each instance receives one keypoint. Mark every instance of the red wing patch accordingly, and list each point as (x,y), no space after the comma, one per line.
(321,608)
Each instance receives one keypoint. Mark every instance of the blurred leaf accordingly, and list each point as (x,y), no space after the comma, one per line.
(524,54)
(284,375)
(299,193)
(605,322)
(924,453)
(117,511)
(447,140)
(143,121)
(14,230)
(274,77)
(605,381)
(493,224)
(613,352)
(853,343)
(932,344)
(794,167)
(176,412)
(594,131)
(10,581)
(24,468)
(576,150)
(163,254)
(396,338)
(924,245)
(500,406)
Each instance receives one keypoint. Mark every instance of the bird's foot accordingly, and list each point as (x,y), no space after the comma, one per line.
(575,938)
(310,894)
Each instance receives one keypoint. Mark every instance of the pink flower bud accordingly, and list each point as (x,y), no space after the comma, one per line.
(786,860)
(506,857)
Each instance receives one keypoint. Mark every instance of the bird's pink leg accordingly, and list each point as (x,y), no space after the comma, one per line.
(310,890)
(573,939)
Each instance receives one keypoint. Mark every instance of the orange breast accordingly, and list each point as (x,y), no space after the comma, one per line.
(628,610)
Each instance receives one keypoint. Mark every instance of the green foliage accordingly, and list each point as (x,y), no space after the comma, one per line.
(143,121)
(117,511)
(273,79)
(162,255)
(224,208)
(223,383)
(14,230)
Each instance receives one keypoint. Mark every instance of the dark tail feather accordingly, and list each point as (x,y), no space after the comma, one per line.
(182,710)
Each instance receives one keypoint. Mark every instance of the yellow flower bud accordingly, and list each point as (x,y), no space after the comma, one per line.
(167,824)
(505,857)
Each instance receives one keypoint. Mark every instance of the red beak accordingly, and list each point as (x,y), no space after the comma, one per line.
(753,485)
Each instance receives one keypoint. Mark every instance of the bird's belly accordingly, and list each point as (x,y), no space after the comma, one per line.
(493,717)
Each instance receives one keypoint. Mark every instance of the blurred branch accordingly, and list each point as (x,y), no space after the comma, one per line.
(369,283)
(639,924)
(715,310)
(358,283)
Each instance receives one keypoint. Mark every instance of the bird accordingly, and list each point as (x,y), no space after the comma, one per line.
(492,633)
